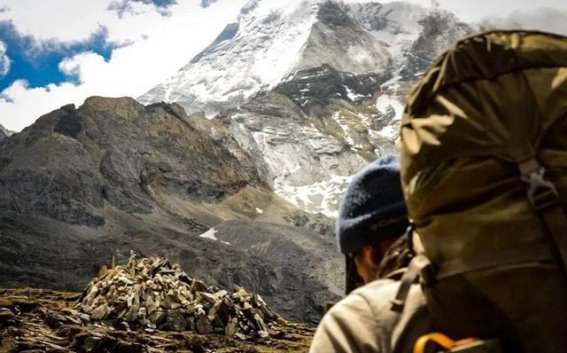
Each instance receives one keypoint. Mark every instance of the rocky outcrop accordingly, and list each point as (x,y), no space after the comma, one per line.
(82,186)
(72,161)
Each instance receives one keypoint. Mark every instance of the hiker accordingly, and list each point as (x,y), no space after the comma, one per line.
(370,227)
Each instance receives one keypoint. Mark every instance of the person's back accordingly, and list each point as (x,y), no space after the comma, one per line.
(371,221)
(365,322)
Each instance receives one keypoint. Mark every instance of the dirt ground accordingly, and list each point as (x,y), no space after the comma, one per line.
(35,320)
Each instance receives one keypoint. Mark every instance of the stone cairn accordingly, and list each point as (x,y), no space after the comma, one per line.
(151,293)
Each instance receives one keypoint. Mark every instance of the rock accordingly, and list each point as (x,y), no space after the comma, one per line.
(7,318)
(101,312)
(32,332)
(175,321)
(203,325)
(198,286)
(211,298)
(231,327)
(152,293)
(96,181)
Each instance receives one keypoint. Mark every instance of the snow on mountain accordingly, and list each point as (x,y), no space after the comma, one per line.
(311,132)
(396,23)
(253,54)
(312,90)
(270,41)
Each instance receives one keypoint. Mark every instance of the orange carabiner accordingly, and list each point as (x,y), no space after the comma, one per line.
(441,340)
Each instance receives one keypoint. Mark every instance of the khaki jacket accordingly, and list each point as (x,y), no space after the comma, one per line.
(364,322)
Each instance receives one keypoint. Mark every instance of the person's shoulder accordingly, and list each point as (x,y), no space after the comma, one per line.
(380,286)
(370,304)
(403,328)
(354,303)
(352,325)
(380,293)
(377,294)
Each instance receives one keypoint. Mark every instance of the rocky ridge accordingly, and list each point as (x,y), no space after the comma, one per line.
(84,185)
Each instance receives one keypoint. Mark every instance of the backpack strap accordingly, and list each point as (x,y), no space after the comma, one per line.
(544,198)
(419,267)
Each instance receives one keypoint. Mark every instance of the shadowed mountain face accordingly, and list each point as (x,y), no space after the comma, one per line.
(82,186)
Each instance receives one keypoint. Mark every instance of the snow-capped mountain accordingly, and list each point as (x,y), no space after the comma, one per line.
(271,41)
(312,90)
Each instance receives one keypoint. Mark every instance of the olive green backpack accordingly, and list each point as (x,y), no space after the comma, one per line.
(484,172)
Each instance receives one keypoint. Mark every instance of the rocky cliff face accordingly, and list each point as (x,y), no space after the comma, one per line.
(313,90)
(82,186)
(311,132)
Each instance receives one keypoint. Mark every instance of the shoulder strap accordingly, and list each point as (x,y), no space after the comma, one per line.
(419,267)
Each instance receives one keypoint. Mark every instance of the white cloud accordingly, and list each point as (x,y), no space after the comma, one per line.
(4,60)
(162,45)
(66,20)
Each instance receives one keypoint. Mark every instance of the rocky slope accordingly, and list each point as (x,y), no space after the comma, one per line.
(83,186)
(313,90)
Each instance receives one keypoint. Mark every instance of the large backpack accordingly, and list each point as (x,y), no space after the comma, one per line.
(484,172)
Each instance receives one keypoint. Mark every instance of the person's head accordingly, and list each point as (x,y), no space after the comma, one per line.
(372,216)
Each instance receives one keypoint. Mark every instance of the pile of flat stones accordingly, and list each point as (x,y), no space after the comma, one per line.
(153,294)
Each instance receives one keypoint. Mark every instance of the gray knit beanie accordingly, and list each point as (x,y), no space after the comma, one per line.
(373,207)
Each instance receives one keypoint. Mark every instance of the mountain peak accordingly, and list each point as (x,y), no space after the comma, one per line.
(312,90)
(253,54)
(270,41)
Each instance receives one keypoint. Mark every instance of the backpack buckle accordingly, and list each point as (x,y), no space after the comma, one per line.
(541,192)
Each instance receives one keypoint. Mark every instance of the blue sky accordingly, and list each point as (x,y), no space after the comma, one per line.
(37,61)
(40,66)
(55,52)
